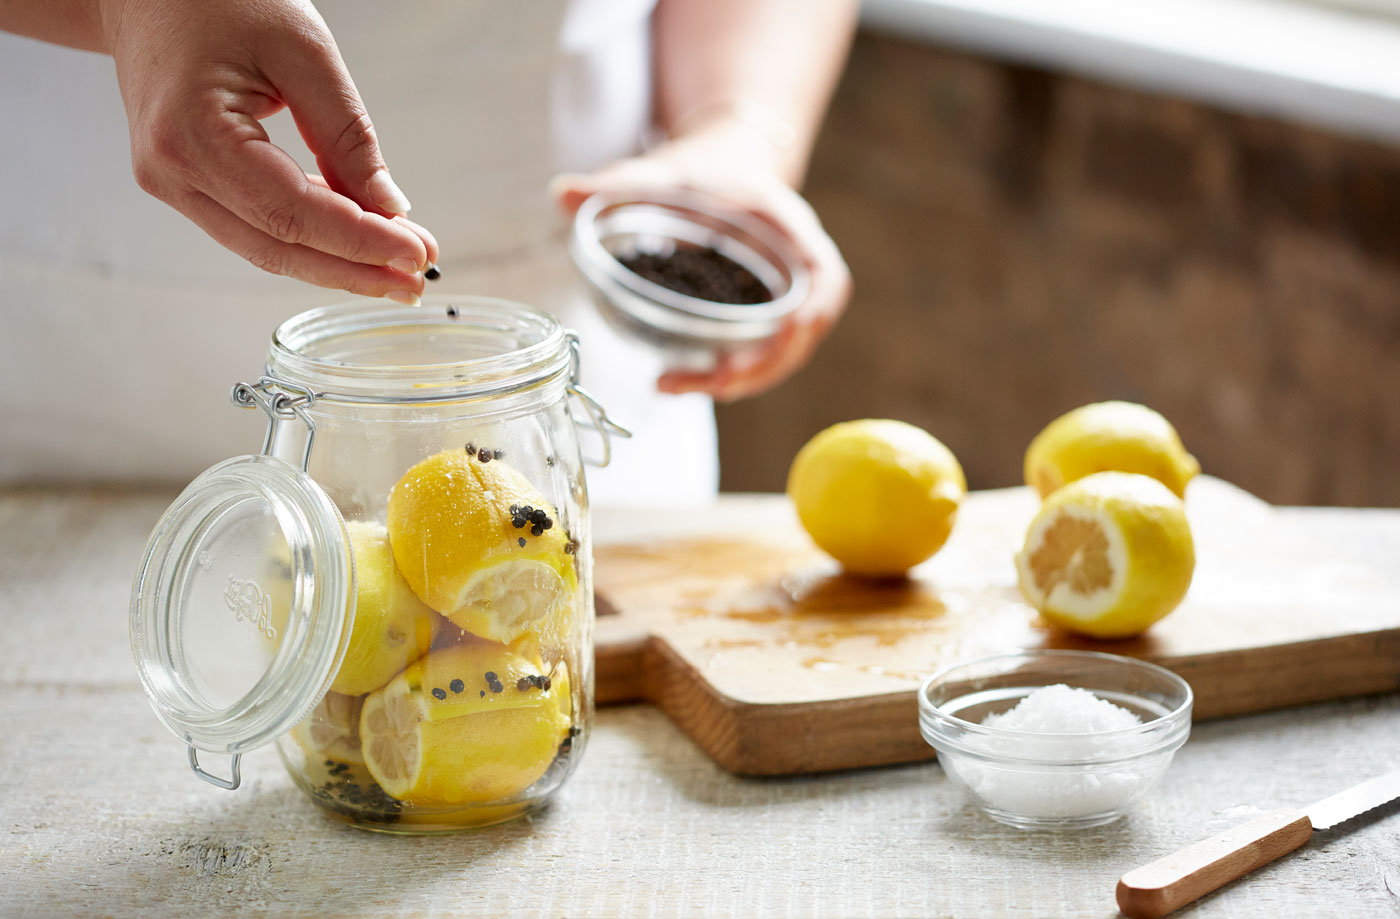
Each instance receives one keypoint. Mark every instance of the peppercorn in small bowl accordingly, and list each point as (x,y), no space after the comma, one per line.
(1055,739)
(686,271)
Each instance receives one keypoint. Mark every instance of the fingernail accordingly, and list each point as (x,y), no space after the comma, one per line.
(406,297)
(564,181)
(406,265)
(383,192)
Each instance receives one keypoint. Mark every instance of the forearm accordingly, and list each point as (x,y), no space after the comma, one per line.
(758,71)
(75,23)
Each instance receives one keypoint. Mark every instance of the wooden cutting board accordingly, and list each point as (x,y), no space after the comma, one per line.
(774,663)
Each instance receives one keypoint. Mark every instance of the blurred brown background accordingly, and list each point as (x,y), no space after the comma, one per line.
(1024,242)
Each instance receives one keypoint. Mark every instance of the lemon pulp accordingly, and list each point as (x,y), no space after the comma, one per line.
(332,730)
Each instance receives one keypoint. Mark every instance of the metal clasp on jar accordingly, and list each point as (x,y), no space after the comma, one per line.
(597,415)
(281,401)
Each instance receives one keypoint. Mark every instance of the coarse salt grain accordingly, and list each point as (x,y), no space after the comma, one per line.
(1059,725)
(1061,709)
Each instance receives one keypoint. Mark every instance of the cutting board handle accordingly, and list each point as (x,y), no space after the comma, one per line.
(1175,880)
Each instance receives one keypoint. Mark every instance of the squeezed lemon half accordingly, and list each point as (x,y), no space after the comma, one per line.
(476,542)
(1104,437)
(879,496)
(332,730)
(1108,555)
(468,724)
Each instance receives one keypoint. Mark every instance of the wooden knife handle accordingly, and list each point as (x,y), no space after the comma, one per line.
(1175,880)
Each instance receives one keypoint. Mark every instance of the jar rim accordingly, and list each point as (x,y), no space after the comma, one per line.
(533,349)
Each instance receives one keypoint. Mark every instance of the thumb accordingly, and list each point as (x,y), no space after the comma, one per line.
(570,189)
(332,119)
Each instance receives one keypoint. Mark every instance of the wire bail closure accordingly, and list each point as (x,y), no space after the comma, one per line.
(281,401)
(597,415)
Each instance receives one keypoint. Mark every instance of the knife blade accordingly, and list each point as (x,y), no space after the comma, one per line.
(1354,802)
(1171,882)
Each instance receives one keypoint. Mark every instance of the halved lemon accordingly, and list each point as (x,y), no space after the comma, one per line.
(429,742)
(479,544)
(1108,437)
(332,730)
(1108,555)
(392,627)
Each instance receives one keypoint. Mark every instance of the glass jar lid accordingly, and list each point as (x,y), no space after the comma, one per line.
(238,612)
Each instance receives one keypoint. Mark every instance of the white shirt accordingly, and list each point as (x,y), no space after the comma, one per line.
(122,326)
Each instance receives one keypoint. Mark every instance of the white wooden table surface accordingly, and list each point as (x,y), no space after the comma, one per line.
(99,814)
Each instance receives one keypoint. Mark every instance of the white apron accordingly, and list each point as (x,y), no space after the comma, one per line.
(122,326)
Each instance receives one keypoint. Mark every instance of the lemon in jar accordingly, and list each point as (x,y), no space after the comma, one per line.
(879,496)
(472,723)
(391,627)
(1108,555)
(1109,437)
(476,542)
(332,730)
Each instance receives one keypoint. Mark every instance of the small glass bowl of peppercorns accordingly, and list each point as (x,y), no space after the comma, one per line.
(686,271)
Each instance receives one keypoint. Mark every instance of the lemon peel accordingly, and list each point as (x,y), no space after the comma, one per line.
(1108,437)
(391,627)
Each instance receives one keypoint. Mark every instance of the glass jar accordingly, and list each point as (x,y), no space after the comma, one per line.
(397,590)
(711,236)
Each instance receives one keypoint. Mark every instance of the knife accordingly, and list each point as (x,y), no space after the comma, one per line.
(1172,882)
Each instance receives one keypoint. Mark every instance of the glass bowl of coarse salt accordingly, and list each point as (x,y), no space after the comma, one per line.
(1055,739)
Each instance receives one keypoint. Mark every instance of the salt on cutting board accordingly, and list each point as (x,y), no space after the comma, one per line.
(774,663)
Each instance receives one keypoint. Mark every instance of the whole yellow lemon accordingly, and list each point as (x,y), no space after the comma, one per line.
(879,496)
(1109,437)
